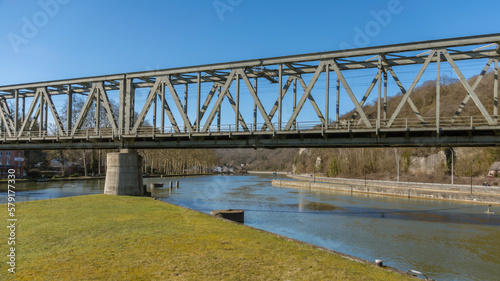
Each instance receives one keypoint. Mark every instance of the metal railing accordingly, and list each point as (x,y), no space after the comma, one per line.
(459,123)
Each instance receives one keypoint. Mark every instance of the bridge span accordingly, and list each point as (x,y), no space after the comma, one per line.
(265,100)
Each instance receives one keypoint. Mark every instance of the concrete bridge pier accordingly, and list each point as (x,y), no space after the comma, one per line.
(124,173)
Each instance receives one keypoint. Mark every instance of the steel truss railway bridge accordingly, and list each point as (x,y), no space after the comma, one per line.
(27,109)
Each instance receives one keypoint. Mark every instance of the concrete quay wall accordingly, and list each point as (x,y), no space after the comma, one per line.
(408,192)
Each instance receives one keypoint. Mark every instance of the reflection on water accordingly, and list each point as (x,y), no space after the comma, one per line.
(445,240)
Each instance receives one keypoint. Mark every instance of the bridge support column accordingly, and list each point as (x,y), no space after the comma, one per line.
(124,173)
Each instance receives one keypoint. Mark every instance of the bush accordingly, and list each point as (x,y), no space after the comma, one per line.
(34,173)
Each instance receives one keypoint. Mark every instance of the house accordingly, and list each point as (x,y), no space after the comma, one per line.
(69,167)
(12,159)
(494,170)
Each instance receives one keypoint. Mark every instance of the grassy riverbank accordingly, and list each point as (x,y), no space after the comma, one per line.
(99,237)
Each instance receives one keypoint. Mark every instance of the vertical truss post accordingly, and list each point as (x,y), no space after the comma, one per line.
(255,106)
(121,109)
(327,95)
(23,109)
(162,93)
(337,116)
(495,93)
(186,90)
(40,126)
(129,105)
(198,103)
(218,108)
(16,96)
(294,100)
(379,96)
(46,117)
(438,88)
(97,111)
(154,110)
(237,101)
(385,96)
(69,111)
(280,103)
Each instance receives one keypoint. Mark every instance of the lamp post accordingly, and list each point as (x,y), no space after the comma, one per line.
(472,161)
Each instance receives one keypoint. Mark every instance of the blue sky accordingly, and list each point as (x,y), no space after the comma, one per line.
(76,38)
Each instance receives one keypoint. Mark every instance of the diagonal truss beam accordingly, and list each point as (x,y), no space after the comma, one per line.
(276,104)
(407,94)
(35,117)
(256,99)
(107,106)
(157,88)
(341,77)
(55,115)
(178,102)
(221,97)
(469,89)
(311,99)
(403,90)
(207,102)
(467,96)
(7,117)
(29,113)
(367,93)
(171,117)
(306,95)
(236,111)
(85,109)
(151,96)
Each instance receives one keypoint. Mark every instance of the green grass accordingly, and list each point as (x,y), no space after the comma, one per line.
(99,237)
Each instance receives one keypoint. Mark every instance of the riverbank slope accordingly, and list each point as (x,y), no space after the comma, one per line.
(103,237)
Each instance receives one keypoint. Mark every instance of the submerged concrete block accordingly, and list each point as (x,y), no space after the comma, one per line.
(230,214)
(124,173)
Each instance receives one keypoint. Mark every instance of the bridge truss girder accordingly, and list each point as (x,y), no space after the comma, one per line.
(125,127)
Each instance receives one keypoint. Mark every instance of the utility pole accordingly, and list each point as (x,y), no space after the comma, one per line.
(472,161)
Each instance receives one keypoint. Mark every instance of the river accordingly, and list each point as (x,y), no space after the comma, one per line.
(445,240)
